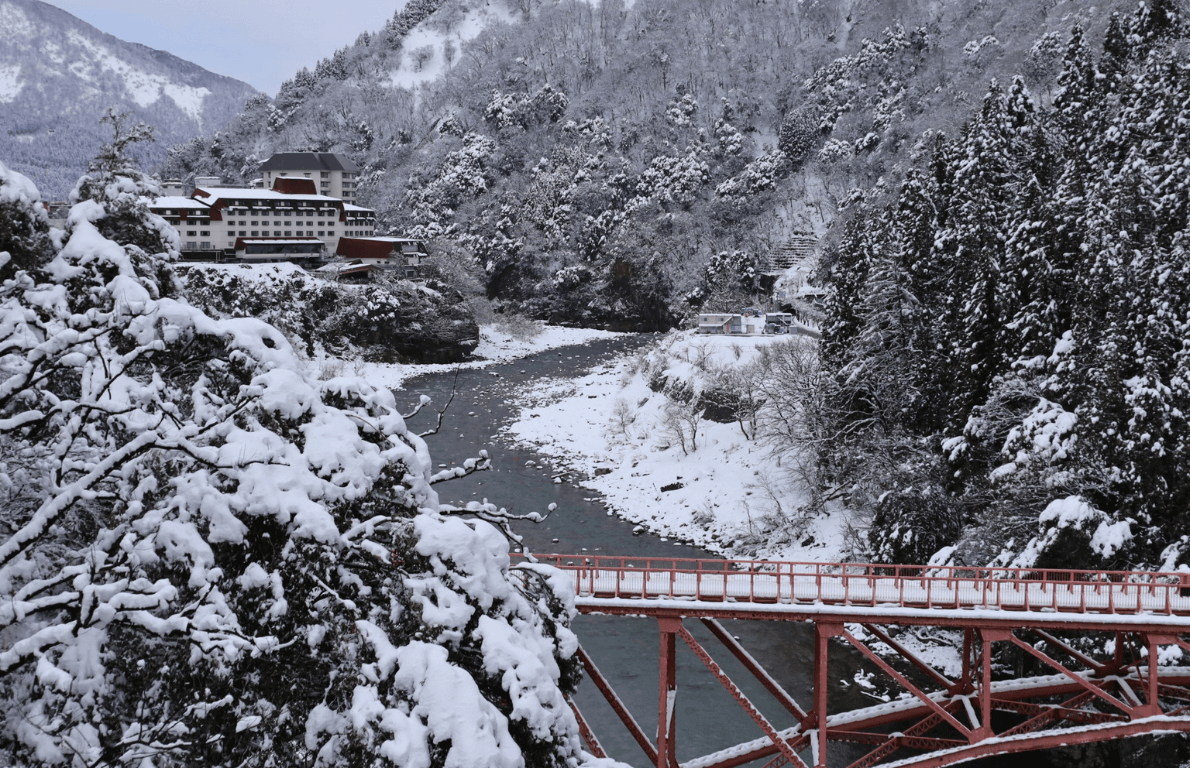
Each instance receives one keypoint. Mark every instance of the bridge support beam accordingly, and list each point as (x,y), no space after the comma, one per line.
(668,688)
(986,638)
(823,632)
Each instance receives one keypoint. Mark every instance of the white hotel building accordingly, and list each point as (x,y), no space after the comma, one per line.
(290,218)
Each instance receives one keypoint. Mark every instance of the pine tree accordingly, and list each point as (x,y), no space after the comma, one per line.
(920,214)
(985,189)
(848,273)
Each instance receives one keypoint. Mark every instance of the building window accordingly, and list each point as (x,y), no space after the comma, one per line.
(255,233)
(326,174)
(288,233)
(191,245)
(243,233)
(288,213)
(320,233)
(204,233)
(204,246)
(191,233)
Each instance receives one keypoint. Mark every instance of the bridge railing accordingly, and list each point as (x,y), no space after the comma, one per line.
(861,584)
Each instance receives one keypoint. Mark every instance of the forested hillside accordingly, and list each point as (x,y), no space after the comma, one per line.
(1008,328)
(616,164)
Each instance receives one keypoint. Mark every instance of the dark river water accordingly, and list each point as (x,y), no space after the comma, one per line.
(625,649)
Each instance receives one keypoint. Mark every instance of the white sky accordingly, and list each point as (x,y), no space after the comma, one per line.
(261,42)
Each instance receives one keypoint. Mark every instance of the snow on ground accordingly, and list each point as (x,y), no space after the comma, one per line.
(609,429)
(434,35)
(10,83)
(495,346)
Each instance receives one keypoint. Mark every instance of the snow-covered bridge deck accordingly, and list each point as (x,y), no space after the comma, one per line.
(790,586)
(1081,697)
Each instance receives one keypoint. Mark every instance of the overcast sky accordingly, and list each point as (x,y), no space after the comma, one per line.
(261,42)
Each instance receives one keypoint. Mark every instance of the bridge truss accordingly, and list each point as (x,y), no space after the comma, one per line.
(1075,696)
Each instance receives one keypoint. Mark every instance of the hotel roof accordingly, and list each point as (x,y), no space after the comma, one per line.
(309,161)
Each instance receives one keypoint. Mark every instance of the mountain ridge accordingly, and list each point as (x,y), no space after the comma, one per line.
(58,74)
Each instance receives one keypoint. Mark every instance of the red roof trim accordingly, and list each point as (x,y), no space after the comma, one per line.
(358,248)
(289,185)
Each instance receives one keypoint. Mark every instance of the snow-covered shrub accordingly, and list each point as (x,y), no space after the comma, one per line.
(571,277)
(676,179)
(506,110)
(681,111)
(211,558)
(760,175)
(731,141)
(833,151)
(1073,534)
(798,135)
(914,516)
(434,193)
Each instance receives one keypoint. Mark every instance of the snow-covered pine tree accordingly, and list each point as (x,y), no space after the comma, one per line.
(208,557)
(921,214)
(981,219)
(848,271)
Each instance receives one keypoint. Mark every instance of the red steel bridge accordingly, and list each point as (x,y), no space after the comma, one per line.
(1076,696)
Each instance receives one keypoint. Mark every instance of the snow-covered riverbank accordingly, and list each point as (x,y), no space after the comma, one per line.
(495,346)
(729,493)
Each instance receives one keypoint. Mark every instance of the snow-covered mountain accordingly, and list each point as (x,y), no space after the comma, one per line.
(58,74)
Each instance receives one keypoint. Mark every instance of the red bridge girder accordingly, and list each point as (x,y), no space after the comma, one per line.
(946,721)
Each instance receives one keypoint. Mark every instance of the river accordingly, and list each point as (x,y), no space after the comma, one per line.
(625,649)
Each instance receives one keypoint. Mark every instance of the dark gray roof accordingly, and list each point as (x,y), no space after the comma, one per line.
(309,161)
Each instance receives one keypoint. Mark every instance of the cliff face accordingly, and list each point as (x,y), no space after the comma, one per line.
(385,321)
(57,76)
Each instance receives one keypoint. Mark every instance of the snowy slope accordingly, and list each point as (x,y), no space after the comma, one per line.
(730,494)
(432,48)
(58,74)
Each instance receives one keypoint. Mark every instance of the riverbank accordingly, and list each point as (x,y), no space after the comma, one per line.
(495,346)
(715,486)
